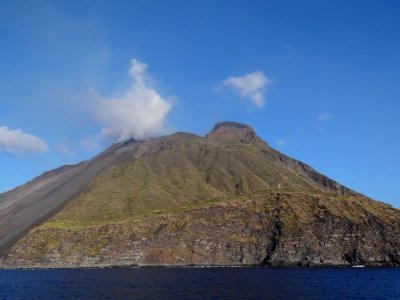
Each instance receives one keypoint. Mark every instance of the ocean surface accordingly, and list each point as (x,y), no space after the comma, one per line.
(202,283)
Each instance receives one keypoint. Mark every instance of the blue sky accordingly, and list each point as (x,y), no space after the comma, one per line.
(318,80)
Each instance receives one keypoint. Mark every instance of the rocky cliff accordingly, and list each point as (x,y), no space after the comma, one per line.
(226,199)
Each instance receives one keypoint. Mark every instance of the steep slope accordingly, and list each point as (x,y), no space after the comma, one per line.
(134,194)
(181,169)
(274,229)
(37,200)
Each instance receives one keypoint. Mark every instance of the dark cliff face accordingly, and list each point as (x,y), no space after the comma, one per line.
(126,206)
(273,229)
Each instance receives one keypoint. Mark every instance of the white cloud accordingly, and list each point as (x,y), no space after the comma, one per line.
(325,117)
(282,142)
(250,86)
(17,142)
(138,113)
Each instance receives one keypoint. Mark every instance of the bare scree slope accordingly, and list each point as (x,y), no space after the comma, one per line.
(226,199)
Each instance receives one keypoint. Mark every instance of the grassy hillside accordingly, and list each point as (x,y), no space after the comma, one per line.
(187,172)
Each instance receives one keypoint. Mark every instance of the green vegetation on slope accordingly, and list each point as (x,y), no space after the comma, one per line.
(189,172)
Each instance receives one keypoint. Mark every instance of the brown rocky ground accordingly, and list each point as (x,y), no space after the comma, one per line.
(277,228)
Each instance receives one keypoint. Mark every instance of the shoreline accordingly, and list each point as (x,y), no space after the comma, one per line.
(197,267)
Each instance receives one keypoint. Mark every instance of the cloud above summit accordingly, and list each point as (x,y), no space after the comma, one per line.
(17,142)
(251,86)
(140,112)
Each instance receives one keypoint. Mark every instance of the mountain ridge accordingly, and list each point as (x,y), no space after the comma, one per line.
(133,179)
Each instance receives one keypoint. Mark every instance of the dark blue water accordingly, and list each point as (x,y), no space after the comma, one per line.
(202,283)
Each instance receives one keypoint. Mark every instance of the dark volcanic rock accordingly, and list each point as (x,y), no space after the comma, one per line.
(232,131)
(270,230)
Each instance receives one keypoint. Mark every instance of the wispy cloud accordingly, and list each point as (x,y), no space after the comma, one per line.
(251,86)
(17,142)
(138,113)
(90,144)
(282,142)
(65,147)
(323,117)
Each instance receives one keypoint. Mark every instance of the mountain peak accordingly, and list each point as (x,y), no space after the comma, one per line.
(148,193)
(233,131)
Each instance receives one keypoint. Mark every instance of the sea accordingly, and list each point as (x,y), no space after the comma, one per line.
(202,283)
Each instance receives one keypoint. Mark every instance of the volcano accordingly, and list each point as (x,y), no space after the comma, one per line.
(224,199)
